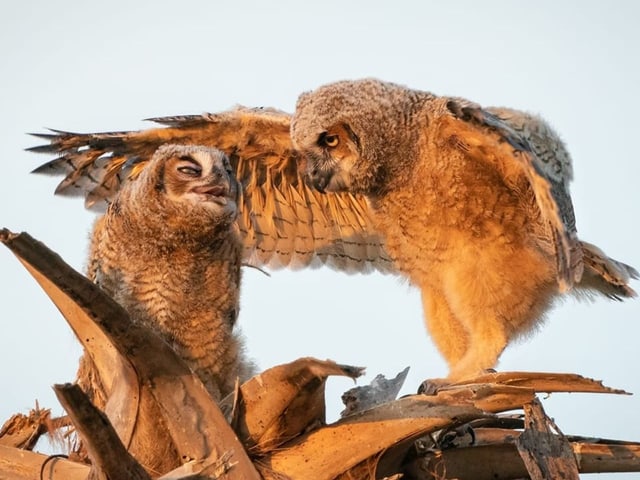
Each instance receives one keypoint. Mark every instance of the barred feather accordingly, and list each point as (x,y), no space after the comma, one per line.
(549,184)
(283,223)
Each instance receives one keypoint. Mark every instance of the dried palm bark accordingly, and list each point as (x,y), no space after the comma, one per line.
(278,428)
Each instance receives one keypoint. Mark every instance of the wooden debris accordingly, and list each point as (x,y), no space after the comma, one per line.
(182,398)
(501,459)
(279,418)
(109,458)
(540,382)
(356,438)
(18,464)
(80,302)
(284,401)
(606,456)
(380,390)
(544,449)
(24,431)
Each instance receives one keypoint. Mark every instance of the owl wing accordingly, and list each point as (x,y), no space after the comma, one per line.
(282,222)
(510,136)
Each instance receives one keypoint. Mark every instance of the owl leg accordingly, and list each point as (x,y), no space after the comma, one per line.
(447,332)
(472,316)
(487,338)
(505,297)
(484,341)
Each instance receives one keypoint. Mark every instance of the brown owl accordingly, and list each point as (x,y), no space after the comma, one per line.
(167,250)
(471,204)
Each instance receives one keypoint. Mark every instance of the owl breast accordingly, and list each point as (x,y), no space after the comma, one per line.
(190,298)
(467,217)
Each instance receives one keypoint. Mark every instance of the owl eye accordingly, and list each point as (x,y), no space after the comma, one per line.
(189,167)
(191,171)
(329,141)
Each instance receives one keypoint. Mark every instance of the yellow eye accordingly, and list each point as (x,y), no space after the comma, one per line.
(330,141)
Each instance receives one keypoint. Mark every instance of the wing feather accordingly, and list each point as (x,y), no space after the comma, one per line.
(518,137)
(283,223)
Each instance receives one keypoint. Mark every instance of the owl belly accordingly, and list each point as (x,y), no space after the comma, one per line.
(193,309)
(480,234)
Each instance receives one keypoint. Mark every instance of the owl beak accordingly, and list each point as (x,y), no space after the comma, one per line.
(319,179)
(214,193)
(215,190)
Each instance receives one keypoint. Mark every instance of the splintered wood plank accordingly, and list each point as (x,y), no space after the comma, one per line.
(328,452)
(544,449)
(109,456)
(17,464)
(541,382)
(503,461)
(195,422)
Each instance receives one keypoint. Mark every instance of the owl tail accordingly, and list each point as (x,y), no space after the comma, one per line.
(606,275)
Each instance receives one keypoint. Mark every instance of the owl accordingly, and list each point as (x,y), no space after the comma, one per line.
(470,204)
(168,252)
(473,206)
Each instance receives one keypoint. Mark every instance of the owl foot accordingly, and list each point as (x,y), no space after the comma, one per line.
(431,386)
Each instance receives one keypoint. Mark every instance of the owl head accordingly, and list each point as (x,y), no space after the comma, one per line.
(351,134)
(186,189)
(197,177)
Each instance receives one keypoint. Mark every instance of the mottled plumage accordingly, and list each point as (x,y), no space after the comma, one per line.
(471,204)
(282,222)
(167,251)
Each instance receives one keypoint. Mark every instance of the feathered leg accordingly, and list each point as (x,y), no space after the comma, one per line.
(447,333)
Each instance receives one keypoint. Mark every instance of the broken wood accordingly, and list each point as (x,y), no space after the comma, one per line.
(486,462)
(336,448)
(79,302)
(182,398)
(109,457)
(24,431)
(502,460)
(279,415)
(544,449)
(280,403)
(18,464)
(540,382)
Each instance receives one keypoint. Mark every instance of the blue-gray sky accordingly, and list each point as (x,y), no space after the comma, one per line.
(88,66)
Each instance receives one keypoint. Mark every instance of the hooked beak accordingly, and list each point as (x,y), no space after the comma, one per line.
(215,193)
(319,179)
(215,190)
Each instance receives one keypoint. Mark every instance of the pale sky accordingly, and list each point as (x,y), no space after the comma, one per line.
(86,66)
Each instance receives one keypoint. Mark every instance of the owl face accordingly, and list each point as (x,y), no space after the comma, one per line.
(332,158)
(346,136)
(200,177)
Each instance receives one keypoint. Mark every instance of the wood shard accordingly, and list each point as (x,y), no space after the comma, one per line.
(544,449)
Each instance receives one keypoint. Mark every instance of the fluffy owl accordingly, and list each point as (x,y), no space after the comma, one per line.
(471,204)
(167,251)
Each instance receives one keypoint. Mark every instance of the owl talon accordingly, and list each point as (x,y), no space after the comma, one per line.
(432,386)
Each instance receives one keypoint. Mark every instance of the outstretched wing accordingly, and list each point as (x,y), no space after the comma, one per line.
(515,136)
(283,223)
